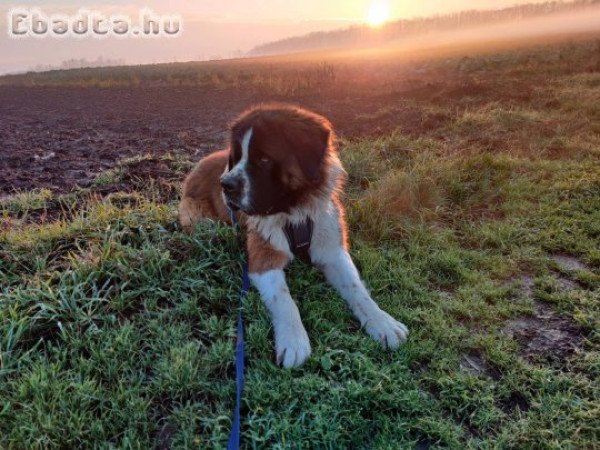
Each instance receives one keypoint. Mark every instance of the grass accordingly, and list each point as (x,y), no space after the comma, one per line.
(117,329)
(264,76)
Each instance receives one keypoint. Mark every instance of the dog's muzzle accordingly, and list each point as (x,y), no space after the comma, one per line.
(232,189)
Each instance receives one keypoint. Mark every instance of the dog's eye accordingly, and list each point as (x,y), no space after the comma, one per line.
(264,160)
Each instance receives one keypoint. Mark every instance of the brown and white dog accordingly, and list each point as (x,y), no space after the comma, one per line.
(282,167)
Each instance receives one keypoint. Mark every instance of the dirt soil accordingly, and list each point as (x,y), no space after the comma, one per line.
(57,137)
(60,137)
(546,334)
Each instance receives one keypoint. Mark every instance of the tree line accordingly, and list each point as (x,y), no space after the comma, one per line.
(365,36)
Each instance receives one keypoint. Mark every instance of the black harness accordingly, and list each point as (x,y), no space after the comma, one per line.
(299,237)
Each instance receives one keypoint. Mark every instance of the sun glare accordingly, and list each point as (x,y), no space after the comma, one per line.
(378,14)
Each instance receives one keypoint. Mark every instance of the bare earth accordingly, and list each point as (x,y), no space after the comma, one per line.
(57,137)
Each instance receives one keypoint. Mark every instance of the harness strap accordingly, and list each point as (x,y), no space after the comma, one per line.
(299,237)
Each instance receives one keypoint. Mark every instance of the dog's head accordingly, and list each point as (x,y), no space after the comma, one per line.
(278,157)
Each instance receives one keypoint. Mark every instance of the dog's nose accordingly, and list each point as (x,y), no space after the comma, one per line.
(230,184)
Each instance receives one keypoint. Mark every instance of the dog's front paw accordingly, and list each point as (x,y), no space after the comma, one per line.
(385,329)
(292,346)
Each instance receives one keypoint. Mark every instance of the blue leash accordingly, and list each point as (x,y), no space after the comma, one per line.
(234,436)
(299,237)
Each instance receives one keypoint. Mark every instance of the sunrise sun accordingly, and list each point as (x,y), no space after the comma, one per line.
(379,13)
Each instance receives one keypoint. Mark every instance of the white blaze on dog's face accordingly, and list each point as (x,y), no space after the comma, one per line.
(277,158)
(236,182)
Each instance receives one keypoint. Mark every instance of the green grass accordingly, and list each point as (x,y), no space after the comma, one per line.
(117,330)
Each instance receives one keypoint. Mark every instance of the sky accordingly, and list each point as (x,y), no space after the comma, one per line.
(211,28)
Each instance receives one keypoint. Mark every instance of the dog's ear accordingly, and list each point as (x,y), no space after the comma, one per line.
(310,140)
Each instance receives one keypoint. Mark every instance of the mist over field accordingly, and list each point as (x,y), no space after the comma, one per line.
(517,22)
(214,37)
(521,32)
(200,40)
(567,23)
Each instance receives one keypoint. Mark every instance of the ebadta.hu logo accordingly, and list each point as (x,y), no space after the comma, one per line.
(27,23)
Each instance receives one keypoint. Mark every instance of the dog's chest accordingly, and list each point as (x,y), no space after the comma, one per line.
(323,234)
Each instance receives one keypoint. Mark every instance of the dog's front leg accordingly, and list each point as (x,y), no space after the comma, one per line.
(341,273)
(292,346)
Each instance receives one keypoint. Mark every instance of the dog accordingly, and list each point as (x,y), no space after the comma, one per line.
(282,171)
